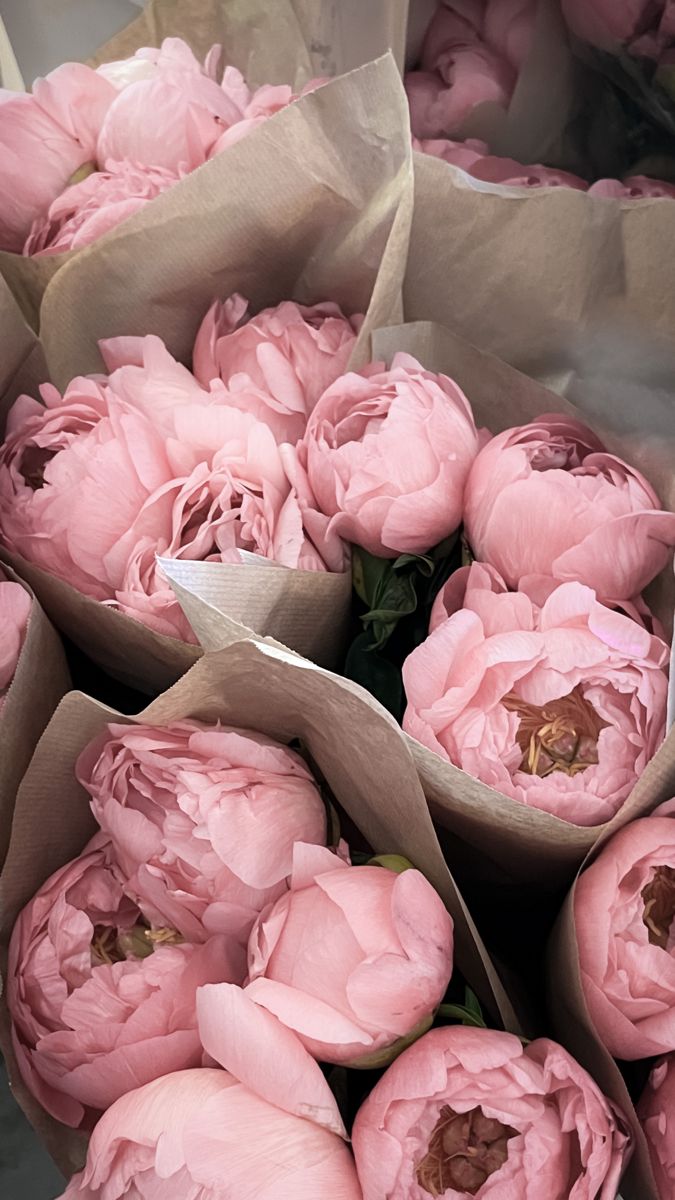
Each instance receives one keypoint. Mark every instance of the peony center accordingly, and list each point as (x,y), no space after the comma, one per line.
(559,736)
(659,910)
(464,1150)
(110,945)
(33,463)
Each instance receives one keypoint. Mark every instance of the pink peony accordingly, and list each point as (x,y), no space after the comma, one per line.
(515,174)
(547,500)
(201,1135)
(87,210)
(100,1001)
(559,705)
(623,910)
(44,139)
(277,363)
(472,1113)
(633,187)
(656,1112)
(459,154)
(15,606)
(387,454)
(646,27)
(353,959)
(203,820)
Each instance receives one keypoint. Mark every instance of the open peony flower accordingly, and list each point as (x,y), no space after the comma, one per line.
(472,55)
(656,1112)
(623,912)
(197,1135)
(559,704)
(15,605)
(100,1000)
(459,154)
(633,187)
(203,820)
(275,364)
(387,454)
(514,174)
(547,500)
(355,960)
(470,1113)
(90,208)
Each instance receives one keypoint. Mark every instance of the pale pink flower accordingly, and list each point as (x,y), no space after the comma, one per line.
(515,174)
(275,364)
(203,820)
(387,454)
(656,1112)
(197,1135)
(469,1113)
(623,908)
(633,187)
(101,1001)
(559,704)
(458,154)
(548,500)
(15,606)
(646,26)
(352,959)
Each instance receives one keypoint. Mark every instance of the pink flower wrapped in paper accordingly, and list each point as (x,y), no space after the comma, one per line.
(547,501)
(470,1113)
(459,154)
(355,960)
(633,187)
(623,910)
(203,820)
(558,704)
(656,1112)
(277,363)
(100,999)
(387,454)
(472,55)
(15,605)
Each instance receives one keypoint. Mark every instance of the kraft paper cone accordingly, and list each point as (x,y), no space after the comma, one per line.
(537,276)
(22,364)
(355,744)
(502,842)
(40,680)
(313,205)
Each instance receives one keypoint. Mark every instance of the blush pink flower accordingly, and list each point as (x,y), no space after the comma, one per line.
(547,500)
(459,154)
(44,139)
(515,174)
(656,1112)
(15,606)
(646,26)
(277,363)
(623,910)
(87,210)
(387,454)
(473,1113)
(355,960)
(101,1001)
(201,1134)
(202,819)
(633,187)
(559,705)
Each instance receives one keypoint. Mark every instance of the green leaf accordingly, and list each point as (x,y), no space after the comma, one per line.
(367,571)
(473,1003)
(393,862)
(423,563)
(376,674)
(458,1012)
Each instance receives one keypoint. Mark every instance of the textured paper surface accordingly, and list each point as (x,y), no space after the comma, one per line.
(22,364)
(355,744)
(40,680)
(313,205)
(501,841)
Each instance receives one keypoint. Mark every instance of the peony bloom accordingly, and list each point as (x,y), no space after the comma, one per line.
(559,704)
(353,959)
(201,1134)
(45,138)
(278,363)
(656,1112)
(203,820)
(15,605)
(623,909)
(87,210)
(645,27)
(459,154)
(387,454)
(633,187)
(514,174)
(100,1001)
(472,1113)
(547,500)
(472,55)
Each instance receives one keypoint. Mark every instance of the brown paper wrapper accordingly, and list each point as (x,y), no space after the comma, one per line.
(356,746)
(538,277)
(22,363)
(315,204)
(501,842)
(40,680)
